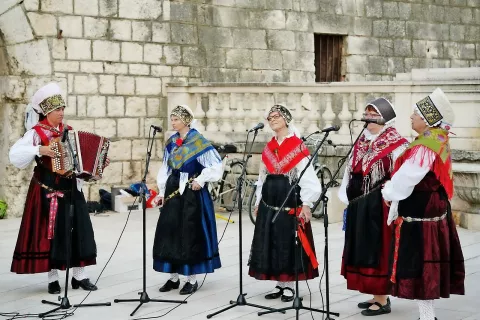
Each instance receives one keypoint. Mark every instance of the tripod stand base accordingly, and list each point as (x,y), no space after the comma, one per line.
(241,301)
(65,305)
(144,298)
(297,305)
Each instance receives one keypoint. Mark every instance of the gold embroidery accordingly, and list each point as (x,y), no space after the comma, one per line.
(52,103)
(429,111)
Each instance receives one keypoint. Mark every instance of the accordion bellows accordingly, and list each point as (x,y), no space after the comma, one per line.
(91,151)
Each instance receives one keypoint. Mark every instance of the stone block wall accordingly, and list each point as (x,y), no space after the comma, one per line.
(117,56)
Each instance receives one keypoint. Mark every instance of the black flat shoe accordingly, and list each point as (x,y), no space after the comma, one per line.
(54,287)
(275,295)
(382,310)
(85,284)
(189,288)
(169,285)
(366,304)
(288,298)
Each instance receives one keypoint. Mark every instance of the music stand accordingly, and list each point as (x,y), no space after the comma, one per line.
(64,302)
(144,298)
(297,301)
(241,301)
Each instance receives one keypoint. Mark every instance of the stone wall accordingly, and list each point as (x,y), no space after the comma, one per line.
(117,56)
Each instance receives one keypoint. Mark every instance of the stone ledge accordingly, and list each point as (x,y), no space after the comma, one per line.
(465,155)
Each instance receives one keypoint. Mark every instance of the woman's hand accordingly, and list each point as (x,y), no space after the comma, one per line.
(388,203)
(107,162)
(255,211)
(47,151)
(196,186)
(158,201)
(306,214)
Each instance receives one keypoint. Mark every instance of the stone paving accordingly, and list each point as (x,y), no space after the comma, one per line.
(122,278)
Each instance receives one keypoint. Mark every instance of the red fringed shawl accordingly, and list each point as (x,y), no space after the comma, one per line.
(435,139)
(280,159)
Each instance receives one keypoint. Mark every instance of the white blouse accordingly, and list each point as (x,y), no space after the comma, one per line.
(212,172)
(342,192)
(23,152)
(406,178)
(310,185)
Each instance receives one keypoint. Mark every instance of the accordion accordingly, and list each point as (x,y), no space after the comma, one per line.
(90,151)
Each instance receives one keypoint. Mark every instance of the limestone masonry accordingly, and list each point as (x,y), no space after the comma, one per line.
(115,57)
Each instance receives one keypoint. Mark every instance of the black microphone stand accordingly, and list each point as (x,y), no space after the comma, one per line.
(324,198)
(297,302)
(144,298)
(64,302)
(241,301)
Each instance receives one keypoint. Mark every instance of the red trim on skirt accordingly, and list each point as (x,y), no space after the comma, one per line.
(372,280)
(32,250)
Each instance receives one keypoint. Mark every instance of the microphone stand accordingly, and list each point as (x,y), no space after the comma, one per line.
(297,302)
(144,298)
(241,301)
(324,198)
(64,302)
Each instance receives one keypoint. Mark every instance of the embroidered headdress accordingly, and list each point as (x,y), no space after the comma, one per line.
(47,99)
(184,113)
(282,110)
(286,114)
(436,110)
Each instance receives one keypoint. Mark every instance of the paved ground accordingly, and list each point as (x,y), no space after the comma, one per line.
(122,278)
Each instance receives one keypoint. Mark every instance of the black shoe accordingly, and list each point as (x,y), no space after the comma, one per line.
(366,304)
(54,287)
(189,288)
(275,295)
(169,285)
(288,298)
(382,310)
(85,284)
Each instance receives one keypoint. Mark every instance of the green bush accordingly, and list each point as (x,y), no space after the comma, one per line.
(3,209)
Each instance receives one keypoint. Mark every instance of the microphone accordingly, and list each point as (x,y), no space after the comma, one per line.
(65,134)
(332,128)
(379,121)
(156,128)
(257,127)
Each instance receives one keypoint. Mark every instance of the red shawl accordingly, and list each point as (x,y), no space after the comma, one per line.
(385,143)
(47,132)
(280,159)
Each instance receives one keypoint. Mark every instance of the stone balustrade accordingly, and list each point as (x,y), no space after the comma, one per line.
(227,110)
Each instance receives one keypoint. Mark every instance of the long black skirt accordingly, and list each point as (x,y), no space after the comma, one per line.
(273,251)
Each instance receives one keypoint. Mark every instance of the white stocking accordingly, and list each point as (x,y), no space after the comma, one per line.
(174,277)
(79,273)
(192,278)
(52,275)
(427,311)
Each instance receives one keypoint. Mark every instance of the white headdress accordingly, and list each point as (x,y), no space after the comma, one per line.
(436,110)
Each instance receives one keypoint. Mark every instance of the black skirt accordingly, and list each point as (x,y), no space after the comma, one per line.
(179,237)
(273,250)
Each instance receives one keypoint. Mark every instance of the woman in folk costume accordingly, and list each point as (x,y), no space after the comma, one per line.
(367,236)
(41,243)
(427,256)
(186,235)
(273,249)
